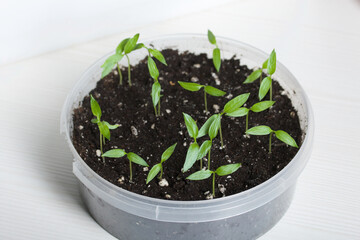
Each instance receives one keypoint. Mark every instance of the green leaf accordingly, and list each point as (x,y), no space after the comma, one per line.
(95,107)
(111,127)
(264,87)
(227,169)
(191,126)
(193,87)
(271,66)
(138,46)
(115,153)
(239,112)
(109,64)
(264,66)
(158,55)
(259,130)
(200,175)
(205,128)
(104,130)
(211,37)
(236,103)
(168,152)
(253,76)
(153,172)
(286,138)
(204,149)
(191,156)
(217,59)
(130,45)
(120,47)
(153,70)
(214,127)
(95,120)
(214,91)
(155,93)
(136,159)
(261,106)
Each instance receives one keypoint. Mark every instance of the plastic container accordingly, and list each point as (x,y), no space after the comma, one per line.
(246,215)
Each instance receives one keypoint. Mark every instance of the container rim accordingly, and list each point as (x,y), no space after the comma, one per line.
(272,187)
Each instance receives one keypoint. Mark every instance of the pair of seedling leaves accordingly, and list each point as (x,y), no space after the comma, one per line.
(216,52)
(266,83)
(127,46)
(104,126)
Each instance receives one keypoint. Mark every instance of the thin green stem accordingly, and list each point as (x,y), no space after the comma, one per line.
(101,148)
(201,163)
(155,111)
(104,140)
(161,171)
(159,108)
(261,77)
(120,75)
(130,171)
(221,138)
(213,185)
(271,92)
(205,100)
(129,70)
(270,142)
(209,159)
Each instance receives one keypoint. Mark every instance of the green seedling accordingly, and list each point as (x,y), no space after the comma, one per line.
(154,73)
(125,47)
(104,127)
(257,107)
(280,134)
(214,122)
(266,84)
(158,167)
(193,150)
(216,51)
(256,74)
(133,158)
(220,171)
(194,87)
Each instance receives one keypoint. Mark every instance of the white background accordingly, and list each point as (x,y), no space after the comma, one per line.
(319,41)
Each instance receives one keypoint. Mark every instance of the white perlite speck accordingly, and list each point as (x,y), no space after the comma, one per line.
(153,126)
(217,81)
(184,144)
(196,65)
(121,180)
(168,196)
(222,188)
(180,132)
(81,127)
(115,72)
(98,153)
(216,108)
(168,111)
(163,183)
(194,79)
(145,169)
(134,130)
(229,96)
(209,196)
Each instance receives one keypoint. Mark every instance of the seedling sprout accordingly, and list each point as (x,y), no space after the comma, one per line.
(216,51)
(194,87)
(193,150)
(132,157)
(104,127)
(220,171)
(257,107)
(266,84)
(125,47)
(158,167)
(280,134)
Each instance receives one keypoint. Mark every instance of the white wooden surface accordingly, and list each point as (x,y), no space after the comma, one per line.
(319,41)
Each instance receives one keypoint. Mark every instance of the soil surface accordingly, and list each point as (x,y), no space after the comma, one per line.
(141,132)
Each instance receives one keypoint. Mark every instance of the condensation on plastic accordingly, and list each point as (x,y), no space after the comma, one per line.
(245,215)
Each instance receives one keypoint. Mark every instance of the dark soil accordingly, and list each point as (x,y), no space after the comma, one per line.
(132,108)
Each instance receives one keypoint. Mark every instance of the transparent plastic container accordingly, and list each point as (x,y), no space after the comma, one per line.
(246,215)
